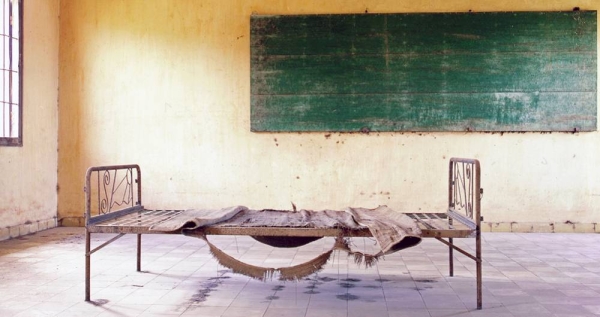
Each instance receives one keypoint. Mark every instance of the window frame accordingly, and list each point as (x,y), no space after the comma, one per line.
(18,140)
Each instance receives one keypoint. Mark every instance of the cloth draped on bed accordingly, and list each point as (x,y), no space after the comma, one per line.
(392,230)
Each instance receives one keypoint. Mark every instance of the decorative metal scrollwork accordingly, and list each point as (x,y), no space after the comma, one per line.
(463,183)
(115,189)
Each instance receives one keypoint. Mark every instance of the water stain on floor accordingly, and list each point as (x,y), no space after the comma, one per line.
(424,287)
(209,286)
(347,285)
(278,288)
(372,286)
(311,292)
(347,297)
(351,280)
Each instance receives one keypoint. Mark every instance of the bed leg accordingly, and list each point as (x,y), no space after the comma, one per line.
(451,257)
(139,252)
(478,265)
(87,265)
(450,251)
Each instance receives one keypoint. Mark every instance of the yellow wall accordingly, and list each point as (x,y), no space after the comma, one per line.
(28,180)
(166,84)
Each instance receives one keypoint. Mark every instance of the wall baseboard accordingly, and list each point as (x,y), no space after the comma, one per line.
(28,227)
(540,227)
(71,222)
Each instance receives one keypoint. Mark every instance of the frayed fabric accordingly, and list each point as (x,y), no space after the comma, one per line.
(291,273)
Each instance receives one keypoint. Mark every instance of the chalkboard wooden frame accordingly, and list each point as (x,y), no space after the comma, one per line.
(491,71)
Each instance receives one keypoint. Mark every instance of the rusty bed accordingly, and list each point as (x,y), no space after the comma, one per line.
(113,204)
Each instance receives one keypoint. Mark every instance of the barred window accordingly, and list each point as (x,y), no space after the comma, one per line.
(11,105)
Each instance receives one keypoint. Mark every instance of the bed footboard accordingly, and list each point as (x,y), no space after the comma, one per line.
(464,191)
(464,206)
(110,192)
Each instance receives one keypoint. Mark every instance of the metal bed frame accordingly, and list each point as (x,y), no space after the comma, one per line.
(113,204)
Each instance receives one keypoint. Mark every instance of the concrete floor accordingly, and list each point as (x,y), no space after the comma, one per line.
(524,275)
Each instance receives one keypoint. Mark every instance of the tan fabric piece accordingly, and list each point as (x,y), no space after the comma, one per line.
(289,273)
(197,218)
(393,231)
(292,219)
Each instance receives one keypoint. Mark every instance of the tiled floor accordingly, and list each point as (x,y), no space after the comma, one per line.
(524,275)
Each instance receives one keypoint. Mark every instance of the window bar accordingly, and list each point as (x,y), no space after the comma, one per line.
(20,70)
(11,79)
(10,68)
(3,134)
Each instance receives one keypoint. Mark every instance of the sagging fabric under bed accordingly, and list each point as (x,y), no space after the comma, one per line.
(392,230)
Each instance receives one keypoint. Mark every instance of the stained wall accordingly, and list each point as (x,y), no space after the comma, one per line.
(166,84)
(28,174)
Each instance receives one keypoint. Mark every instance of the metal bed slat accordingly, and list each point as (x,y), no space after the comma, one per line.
(440,223)
(431,224)
(145,218)
(148,219)
(151,218)
(437,225)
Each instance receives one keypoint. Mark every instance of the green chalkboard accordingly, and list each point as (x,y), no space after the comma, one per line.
(494,71)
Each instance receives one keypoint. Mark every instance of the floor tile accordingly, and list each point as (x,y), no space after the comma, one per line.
(524,275)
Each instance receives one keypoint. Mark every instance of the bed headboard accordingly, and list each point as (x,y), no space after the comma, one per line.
(111,191)
(464,190)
